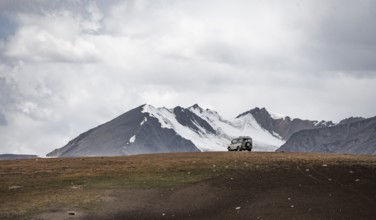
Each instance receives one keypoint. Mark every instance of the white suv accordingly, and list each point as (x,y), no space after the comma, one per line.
(241,143)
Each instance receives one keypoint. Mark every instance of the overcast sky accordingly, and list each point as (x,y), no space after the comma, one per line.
(67,66)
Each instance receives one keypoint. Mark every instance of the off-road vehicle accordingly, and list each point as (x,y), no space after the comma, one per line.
(241,143)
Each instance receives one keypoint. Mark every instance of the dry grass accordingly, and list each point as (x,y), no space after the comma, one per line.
(81,182)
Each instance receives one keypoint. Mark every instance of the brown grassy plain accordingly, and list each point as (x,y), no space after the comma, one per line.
(215,185)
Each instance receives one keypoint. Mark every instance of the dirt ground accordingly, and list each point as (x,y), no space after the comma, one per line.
(226,185)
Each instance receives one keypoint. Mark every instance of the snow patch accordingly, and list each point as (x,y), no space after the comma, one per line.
(276,115)
(159,113)
(323,123)
(132,139)
(277,135)
(143,122)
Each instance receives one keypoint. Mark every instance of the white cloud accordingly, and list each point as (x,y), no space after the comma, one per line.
(54,37)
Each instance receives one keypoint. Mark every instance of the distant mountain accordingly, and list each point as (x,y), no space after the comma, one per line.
(353,135)
(134,132)
(283,126)
(16,156)
(147,129)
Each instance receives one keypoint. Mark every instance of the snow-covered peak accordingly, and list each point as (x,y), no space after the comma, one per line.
(151,109)
(163,115)
(248,125)
(147,108)
(209,131)
(196,106)
(207,114)
(254,111)
(198,109)
(263,111)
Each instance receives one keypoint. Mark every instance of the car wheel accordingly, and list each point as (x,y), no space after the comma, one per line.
(248,146)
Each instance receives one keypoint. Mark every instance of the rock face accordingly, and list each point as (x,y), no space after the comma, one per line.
(350,136)
(351,119)
(282,126)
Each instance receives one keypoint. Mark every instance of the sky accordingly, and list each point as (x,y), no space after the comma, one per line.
(67,66)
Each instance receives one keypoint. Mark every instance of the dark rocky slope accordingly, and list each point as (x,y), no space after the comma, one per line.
(355,137)
(133,132)
(284,126)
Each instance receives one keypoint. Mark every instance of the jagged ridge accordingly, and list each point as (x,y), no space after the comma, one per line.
(147,129)
(357,136)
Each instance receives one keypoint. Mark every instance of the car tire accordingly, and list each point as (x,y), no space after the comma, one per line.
(248,146)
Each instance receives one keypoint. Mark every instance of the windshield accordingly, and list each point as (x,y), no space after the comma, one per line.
(234,141)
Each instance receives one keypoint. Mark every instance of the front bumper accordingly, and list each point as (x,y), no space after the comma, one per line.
(232,147)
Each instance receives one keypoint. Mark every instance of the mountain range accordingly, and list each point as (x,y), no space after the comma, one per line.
(353,136)
(147,129)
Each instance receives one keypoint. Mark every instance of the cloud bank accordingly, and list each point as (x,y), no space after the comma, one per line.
(66,66)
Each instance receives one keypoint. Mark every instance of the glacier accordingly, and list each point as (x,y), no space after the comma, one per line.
(225,129)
